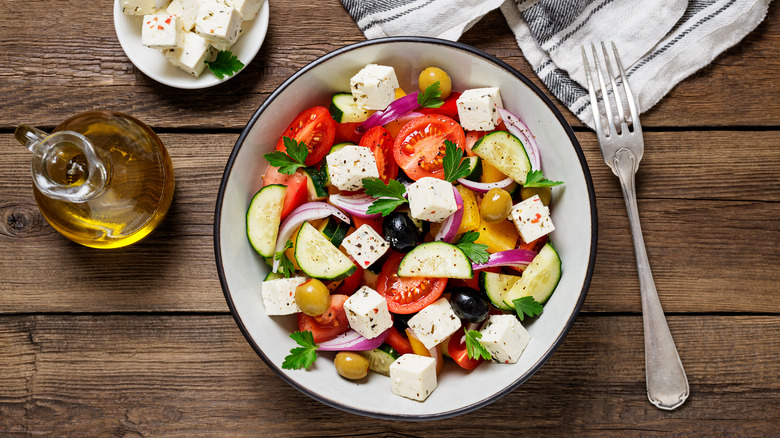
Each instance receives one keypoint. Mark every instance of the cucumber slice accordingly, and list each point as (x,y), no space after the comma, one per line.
(475,168)
(539,279)
(343,109)
(379,359)
(318,258)
(273,276)
(506,152)
(316,180)
(263,217)
(436,259)
(334,230)
(495,286)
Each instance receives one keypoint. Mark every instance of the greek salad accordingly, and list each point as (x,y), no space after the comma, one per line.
(405,230)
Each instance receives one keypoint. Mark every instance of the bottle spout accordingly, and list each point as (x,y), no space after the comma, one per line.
(29,136)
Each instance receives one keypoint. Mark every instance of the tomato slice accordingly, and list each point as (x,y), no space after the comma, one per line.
(348,132)
(399,342)
(407,295)
(419,147)
(379,140)
(330,324)
(316,128)
(458,351)
(449,108)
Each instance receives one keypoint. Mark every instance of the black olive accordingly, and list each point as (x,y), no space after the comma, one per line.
(469,304)
(400,231)
(403,178)
(401,322)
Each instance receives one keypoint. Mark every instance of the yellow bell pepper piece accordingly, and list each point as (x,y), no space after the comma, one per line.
(499,236)
(471,219)
(490,173)
(399,93)
(419,349)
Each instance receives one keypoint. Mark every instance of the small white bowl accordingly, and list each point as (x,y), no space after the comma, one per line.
(154,64)
(242,271)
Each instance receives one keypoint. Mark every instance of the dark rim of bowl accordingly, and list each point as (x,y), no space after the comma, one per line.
(591,198)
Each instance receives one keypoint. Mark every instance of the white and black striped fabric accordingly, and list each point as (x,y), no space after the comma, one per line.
(660,42)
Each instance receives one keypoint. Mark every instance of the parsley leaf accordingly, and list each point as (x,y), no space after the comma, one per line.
(390,195)
(535,178)
(225,64)
(476,252)
(527,306)
(285,265)
(454,165)
(303,356)
(474,348)
(288,162)
(431,97)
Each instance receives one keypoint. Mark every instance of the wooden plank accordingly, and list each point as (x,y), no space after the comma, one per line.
(702,233)
(62,63)
(157,375)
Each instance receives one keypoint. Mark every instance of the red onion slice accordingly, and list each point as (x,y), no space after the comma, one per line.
(520,130)
(395,110)
(513,257)
(306,212)
(355,205)
(485,187)
(353,341)
(451,225)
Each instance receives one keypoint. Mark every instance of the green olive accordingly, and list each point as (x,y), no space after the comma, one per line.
(545,193)
(433,74)
(496,205)
(350,365)
(312,297)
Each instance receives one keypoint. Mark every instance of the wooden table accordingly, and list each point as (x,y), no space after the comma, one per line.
(139,341)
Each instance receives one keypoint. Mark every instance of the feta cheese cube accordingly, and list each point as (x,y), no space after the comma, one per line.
(247,8)
(187,10)
(279,295)
(162,31)
(434,323)
(431,199)
(532,219)
(142,7)
(367,312)
(365,245)
(505,338)
(191,55)
(218,22)
(348,166)
(374,86)
(478,109)
(413,376)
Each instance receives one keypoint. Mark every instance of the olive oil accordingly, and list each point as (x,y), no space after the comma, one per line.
(137,190)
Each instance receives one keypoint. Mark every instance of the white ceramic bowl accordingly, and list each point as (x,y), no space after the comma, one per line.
(241,270)
(154,64)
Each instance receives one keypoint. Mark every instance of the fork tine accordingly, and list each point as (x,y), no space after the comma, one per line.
(604,95)
(632,103)
(594,101)
(615,94)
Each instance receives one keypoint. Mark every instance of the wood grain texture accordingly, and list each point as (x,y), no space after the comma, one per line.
(701,225)
(50,72)
(196,376)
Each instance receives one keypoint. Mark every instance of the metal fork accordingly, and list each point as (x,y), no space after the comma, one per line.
(622,146)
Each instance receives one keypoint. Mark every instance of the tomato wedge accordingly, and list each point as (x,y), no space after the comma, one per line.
(449,108)
(458,351)
(316,128)
(407,295)
(296,195)
(419,147)
(350,284)
(347,131)
(330,324)
(375,223)
(399,342)
(379,140)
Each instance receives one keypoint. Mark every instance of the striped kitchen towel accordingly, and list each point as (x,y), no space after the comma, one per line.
(660,42)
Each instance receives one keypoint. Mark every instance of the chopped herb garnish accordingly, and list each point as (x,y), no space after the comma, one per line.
(285,265)
(390,195)
(474,348)
(535,178)
(431,97)
(303,356)
(476,252)
(527,306)
(225,64)
(455,166)
(291,161)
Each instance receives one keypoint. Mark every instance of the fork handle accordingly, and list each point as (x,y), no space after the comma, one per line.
(667,384)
